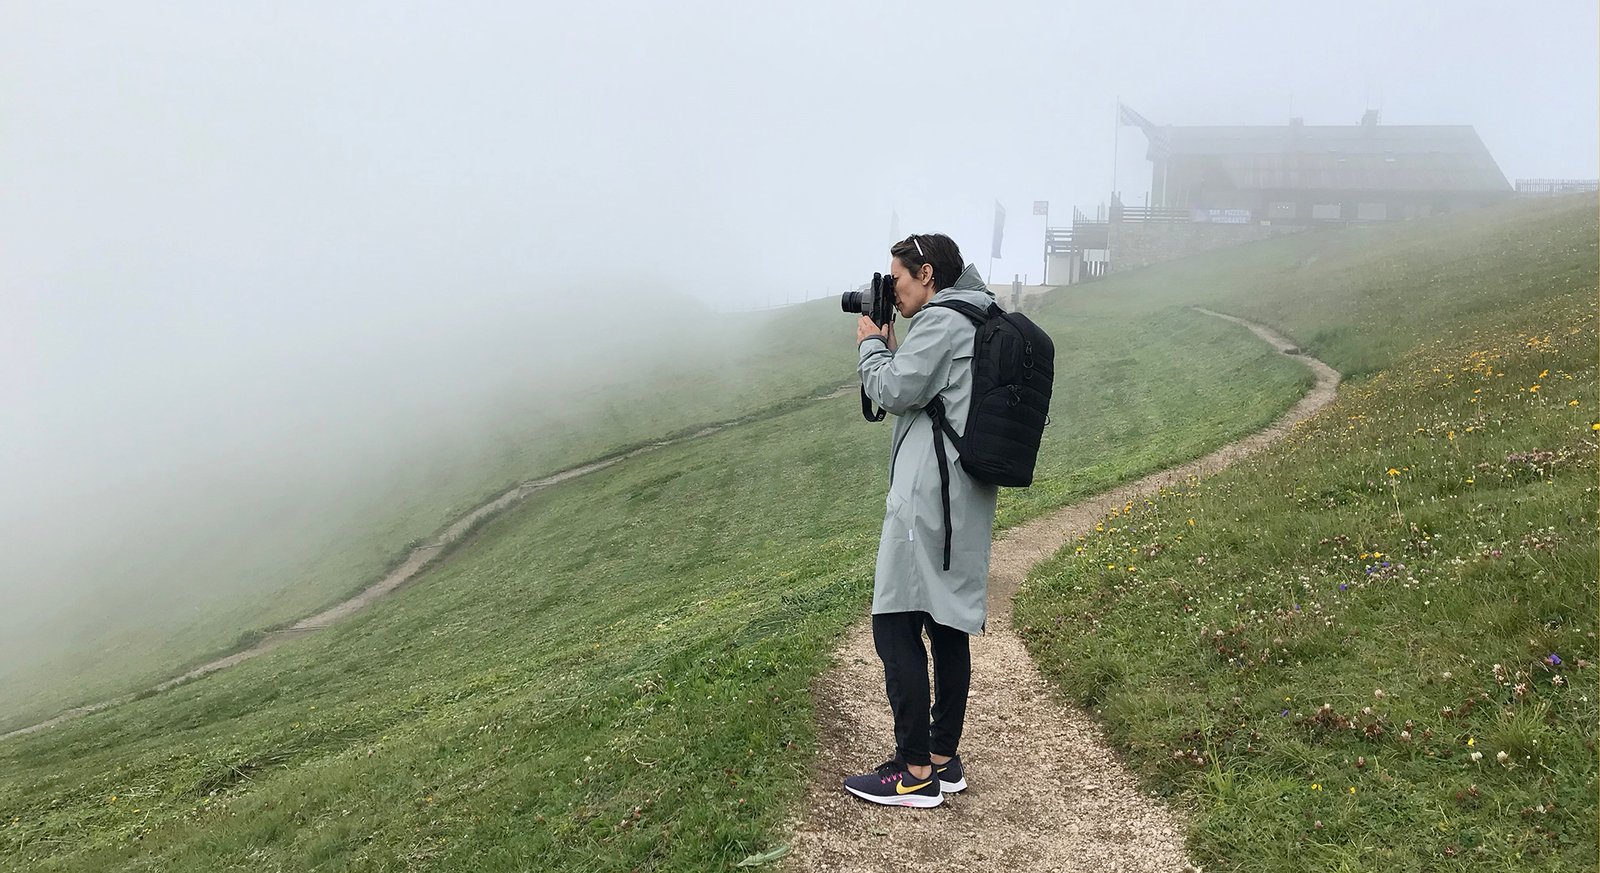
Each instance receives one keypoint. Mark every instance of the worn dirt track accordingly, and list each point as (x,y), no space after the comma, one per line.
(1047,791)
(417,560)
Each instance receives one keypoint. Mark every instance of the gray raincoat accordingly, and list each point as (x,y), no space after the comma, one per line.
(934,358)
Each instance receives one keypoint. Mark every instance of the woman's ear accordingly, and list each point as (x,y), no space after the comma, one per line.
(925,273)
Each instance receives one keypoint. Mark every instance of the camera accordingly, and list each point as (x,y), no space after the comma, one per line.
(877,303)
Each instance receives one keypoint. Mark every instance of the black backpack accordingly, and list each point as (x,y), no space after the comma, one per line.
(1013,366)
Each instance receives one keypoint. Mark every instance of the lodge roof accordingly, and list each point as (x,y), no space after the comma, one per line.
(1338,157)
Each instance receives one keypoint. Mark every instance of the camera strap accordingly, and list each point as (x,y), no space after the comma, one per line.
(866,407)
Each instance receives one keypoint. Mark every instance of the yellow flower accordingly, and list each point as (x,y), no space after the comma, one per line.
(1130,568)
(1191,521)
(1352,789)
(1111,566)
(1393,472)
(1597,425)
(1534,389)
(1572,403)
(1316,786)
(1471,742)
(1543,373)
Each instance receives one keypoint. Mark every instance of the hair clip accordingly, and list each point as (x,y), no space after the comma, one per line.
(918,245)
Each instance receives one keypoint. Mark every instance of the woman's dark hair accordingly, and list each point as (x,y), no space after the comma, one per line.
(937,249)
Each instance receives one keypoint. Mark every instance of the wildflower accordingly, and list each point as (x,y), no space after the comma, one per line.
(1405,736)
(1445,675)
(1471,741)
(1543,373)
(1476,757)
(1572,403)
(1557,680)
(1393,472)
(1534,389)
(1316,786)
(1553,659)
(1352,789)
(1502,757)
(1191,521)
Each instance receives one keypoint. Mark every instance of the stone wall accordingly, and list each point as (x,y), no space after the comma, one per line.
(1140,244)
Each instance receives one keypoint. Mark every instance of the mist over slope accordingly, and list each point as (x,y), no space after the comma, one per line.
(239,472)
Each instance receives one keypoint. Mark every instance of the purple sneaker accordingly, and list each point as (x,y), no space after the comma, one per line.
(893,785)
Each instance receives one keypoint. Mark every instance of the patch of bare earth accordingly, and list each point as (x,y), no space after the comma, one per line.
(1046,790)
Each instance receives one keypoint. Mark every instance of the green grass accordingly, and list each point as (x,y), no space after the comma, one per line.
(251,559)
(614,675)
(1438,520)
(641,639)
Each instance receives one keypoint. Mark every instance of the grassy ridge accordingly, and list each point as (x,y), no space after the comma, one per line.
(614,675)
(280,562)
(1313,646)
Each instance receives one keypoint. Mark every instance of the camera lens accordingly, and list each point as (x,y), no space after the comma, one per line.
(850,301)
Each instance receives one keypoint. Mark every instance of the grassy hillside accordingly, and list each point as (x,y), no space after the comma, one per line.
(1372,649)
(178,598)
(613,675)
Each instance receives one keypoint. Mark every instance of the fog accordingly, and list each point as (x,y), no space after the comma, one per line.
(250,252)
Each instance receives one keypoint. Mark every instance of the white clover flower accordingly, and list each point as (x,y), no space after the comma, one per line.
(1502,757)
(1477,756)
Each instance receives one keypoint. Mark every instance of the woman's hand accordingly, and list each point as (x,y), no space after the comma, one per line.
(866,327)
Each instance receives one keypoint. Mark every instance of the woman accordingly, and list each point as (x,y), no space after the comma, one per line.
(912,590)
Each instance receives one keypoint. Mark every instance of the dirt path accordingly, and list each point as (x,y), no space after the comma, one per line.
(1047,792)
(419,559)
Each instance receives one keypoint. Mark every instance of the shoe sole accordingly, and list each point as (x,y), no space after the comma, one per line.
(953,787)
(920,801)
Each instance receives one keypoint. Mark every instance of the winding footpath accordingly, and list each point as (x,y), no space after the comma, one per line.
(1047,791)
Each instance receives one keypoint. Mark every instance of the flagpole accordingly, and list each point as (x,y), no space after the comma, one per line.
(1116,130)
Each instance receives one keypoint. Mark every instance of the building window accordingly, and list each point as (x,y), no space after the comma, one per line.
(1372,211)
(1325,211)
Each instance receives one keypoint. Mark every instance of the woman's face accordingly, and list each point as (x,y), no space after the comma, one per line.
(912,290)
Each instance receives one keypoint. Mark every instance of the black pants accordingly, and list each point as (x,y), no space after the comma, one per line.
(898,639)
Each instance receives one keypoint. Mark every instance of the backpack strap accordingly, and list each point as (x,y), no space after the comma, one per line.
(975,314)
(941,421)
(941,428)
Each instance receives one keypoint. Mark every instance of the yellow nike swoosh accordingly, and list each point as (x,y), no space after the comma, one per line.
(903,788)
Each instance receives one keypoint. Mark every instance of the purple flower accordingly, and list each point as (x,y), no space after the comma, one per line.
(1343,586)
(1283,714)
(1553,660)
